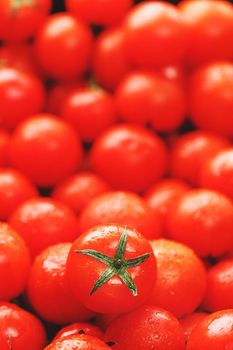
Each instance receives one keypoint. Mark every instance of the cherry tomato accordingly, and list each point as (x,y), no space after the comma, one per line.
(63,46)
(115,269)
(101,12)
(203,220)
(190,321)
(191,151)
(78,190)
(129,157)
(213,332)
(211,98)
(80,328)
(14,263)
(109,63)
(43,222)
(21,94)
(147,327)
(210,30)
(78,342)
(20,20)
(155,35)
(90,111)
(45,149)
(4,142)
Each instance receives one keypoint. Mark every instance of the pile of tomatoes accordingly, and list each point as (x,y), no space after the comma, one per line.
(116,175)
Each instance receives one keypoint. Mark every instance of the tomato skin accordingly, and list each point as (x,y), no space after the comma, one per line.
(4,142)
(213,332)
(145,43)
(51,221)
(78,342)
(46,149)
(21,95)
(54,38)
(210,30)
(80,328)
(114,296)
(129,157)
(203,220)
(190,321)
(147,327)
(211,98)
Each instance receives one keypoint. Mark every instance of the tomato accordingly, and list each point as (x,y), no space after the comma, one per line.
(203,220)
(14,263)
(115,269)
(129,157)
(190,321)
(20,20)
(63,46)
(80,328)
(78,190)
(217,173)
(101,12)
(90,111)
(45,149)
(48,290)
(109,63)
(147,327)
(213,332)
(4,142)
(211,98)
(78,342)
(123,208)
(191,151)
(155,35)
(210,30)
(220,286)
(43,222)
(21,94)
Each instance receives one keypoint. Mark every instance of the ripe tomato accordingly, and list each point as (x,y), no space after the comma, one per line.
(21,94)
(129,157)
(155,35)
(203,220)
(80,328)
(211,98)
(109,64)
(45,149)
(20,20)
(147,327)
(115,269)
(4,142)
(78,342)
(213,332)
(90,111)
(63,46)
(14,264)
(122,208)
(78,190)
(190,321)
(48,290)
(210,30)
(101,12)
(43,222)
(191,151)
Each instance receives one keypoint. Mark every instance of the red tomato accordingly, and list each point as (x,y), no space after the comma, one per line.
(101,12)
(191,151)
(21,94)
(48,290)
(211,98)
(146,97)
(14,264)
(46,149)
(129,157)
(109,63)
(90,111)
(78,342)
(155,35)
(20,20)
(80,328)
(147,327)
(123,208)
(217,173)
(189,322)
(78,190)
(203,220)
(210,30)
(4,142)
(63,46)
(213,332)
(43,222)
(118,274)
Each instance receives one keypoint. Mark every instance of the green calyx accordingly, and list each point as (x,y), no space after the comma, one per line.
(116,266)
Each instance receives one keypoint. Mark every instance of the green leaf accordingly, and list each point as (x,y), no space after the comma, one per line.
(127,279)
(96,255)
(137,261)
(109,273)
(120,252)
